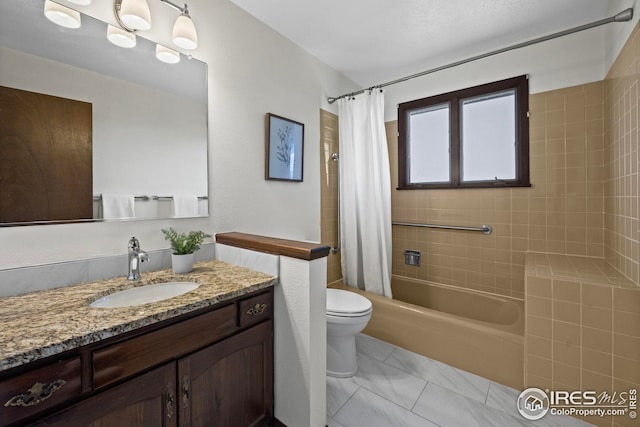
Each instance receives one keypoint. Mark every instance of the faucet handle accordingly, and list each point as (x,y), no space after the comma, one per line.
(134,244)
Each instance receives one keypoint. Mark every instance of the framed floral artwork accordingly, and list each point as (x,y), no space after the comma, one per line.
(285,149)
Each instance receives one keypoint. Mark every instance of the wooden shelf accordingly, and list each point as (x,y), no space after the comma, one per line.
(272,245)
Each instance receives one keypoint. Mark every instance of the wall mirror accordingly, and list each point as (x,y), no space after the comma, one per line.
(143,123)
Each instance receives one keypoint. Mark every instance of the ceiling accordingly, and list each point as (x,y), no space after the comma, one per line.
(374,41)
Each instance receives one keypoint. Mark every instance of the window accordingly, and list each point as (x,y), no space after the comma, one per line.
(475,137)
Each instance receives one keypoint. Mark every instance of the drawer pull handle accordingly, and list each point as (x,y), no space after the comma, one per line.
(38,393)
(257,309)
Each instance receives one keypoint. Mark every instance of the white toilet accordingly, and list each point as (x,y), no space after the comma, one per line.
(347,315)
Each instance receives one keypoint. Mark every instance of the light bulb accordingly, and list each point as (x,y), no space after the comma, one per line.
(135,14)
(120,37)
(167,55)
(184,33)
(61,15)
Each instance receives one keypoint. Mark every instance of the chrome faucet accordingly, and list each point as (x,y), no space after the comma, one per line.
(136,256)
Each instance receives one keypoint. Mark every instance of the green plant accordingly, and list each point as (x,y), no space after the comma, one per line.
(184,243)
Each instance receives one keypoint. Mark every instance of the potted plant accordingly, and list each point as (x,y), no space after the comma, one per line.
(183,246)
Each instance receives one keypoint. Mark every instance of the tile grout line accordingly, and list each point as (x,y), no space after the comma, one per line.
(419,396)
(345,403)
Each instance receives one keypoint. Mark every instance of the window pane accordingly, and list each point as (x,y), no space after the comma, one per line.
(488,135)
(429,144)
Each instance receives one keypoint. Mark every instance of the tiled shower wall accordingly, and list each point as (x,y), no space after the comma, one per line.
(622,181)
(584,198)
(329,191)
(562,212)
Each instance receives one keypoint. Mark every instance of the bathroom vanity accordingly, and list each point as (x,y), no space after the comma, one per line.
(200,359)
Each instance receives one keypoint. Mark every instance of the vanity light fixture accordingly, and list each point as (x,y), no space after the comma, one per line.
(61,15)
(120,37)
(184,31)
(167,55)
(134,15)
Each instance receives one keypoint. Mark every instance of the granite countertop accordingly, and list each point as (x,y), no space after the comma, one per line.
(44,323)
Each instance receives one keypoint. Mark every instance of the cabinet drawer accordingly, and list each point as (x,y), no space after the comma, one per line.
(129,357)
(35,391)
(255,309)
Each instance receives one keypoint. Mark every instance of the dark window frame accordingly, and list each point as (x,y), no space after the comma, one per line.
(519,84)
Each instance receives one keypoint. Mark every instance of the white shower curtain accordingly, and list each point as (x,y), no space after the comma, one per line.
(365,193)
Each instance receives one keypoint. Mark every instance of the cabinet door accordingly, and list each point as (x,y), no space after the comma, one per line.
(148,400)
(229,384)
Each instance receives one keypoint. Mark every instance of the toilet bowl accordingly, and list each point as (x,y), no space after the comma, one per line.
(347,315)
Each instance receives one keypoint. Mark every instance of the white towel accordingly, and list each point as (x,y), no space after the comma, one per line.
(185,205)
(118,206)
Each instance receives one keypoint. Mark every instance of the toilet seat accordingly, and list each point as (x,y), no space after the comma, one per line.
(342,303)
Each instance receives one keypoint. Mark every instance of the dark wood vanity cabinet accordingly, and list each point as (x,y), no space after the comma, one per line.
(228,384)
(214,369)
(147,400)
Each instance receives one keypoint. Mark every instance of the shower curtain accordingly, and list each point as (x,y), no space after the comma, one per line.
(365,193)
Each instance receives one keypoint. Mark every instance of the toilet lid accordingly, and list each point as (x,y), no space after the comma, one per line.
(345,303)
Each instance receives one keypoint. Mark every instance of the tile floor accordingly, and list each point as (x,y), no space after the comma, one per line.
(397,388)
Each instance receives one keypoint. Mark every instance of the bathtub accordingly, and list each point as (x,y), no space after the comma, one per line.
(471,330)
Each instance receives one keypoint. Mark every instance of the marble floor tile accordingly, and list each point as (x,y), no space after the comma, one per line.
(449,409)
(373,347)
(559,421)
(386,381)
(398,388)
(457,380)
(367,409)
(339,390)
(503,398)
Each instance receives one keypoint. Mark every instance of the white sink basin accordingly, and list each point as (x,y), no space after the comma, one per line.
(144,294)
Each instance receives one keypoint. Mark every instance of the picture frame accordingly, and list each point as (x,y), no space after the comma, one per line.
(284,149)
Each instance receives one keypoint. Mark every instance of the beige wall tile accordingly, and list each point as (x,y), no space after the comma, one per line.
(566,375)
(597,339)
(566,353)
(597,295)
(597,382)
(566,291)
(539,347)
(597,317)
(627,299)
(626,369)
(566,333)
(541,307)
(625,322)
(596,361)
(626,346)
(538,286)
(566,312)
(539,367)
(539,327)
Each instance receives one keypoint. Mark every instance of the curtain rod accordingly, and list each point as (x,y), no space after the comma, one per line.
(624,16)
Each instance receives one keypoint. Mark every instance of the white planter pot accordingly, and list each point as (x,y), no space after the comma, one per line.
(182,263)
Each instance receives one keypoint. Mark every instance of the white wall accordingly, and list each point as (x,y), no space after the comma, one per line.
(563,62)
(617,34)
(252,70)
